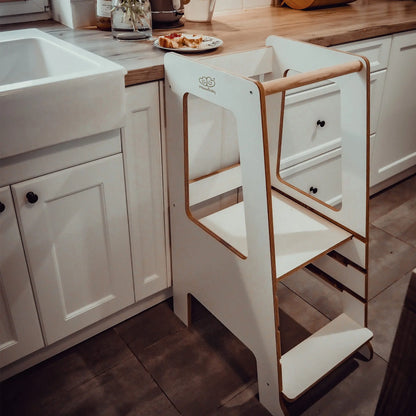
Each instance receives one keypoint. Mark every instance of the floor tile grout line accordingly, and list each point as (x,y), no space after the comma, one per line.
(159,339)
(323,314)
(150,374)
(390,285)
(98,374)
(394,236)
(243,388)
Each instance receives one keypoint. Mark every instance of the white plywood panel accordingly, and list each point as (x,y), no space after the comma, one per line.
(305,364)
(302,58)
(218,278)
(249,64)
(213,185)
(237,285)
(356,251)
(76,240)
(347,275)
(299,235)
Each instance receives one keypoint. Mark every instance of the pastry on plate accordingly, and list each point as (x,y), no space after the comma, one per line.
(180,40)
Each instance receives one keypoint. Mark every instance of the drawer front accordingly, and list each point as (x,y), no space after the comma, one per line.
(320,177)
(53,158)
(375,50)
(311,124)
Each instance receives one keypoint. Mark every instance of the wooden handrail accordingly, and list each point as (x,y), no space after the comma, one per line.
(305,78)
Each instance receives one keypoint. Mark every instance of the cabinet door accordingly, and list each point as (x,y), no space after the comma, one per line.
(143,158)
(20,332)
(76,239)
(395,144)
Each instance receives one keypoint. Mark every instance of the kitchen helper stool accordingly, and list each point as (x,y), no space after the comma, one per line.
(231,255)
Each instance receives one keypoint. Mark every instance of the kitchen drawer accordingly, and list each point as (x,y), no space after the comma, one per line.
(302,137)
(320,177)
(61,156)
(376,50)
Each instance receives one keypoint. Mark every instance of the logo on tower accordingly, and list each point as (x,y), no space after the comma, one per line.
(207,83)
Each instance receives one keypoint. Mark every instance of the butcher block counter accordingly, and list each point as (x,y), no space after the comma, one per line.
(247,30)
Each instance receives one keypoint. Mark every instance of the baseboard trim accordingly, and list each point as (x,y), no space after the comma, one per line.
(80,336)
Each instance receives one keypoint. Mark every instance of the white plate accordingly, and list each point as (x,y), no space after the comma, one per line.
(208,43)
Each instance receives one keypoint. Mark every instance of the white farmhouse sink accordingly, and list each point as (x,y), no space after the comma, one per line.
(52,91)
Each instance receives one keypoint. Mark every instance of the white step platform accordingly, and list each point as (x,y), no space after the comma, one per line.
(300,235)
(311,360)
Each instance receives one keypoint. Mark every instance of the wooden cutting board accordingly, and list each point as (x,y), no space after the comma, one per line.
(308,4)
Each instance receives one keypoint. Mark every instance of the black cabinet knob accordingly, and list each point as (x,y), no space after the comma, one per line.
(320,123)
(313,190)
(2,207)
(31,197)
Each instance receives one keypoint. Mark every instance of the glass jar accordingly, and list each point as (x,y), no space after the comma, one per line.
(131,19)
(103,14)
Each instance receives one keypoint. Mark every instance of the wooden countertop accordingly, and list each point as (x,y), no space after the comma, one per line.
(248,29)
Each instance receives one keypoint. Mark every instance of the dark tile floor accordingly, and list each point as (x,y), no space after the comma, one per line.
(153,365)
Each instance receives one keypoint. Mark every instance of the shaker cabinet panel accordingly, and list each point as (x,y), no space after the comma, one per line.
(143,161)
(75,234)
(20,332)
(395,144)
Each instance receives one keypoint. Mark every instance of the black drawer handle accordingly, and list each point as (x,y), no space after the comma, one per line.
(320,123)
(32,198)
(313,190)
(2,207)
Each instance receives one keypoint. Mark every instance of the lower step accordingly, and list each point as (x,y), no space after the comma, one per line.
(311,360)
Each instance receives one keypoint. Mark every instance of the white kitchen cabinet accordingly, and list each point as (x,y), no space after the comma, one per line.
(143,160)
(75,234)
(15,11)
(20,332)
(395,142)
(94,226)
(16,7)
